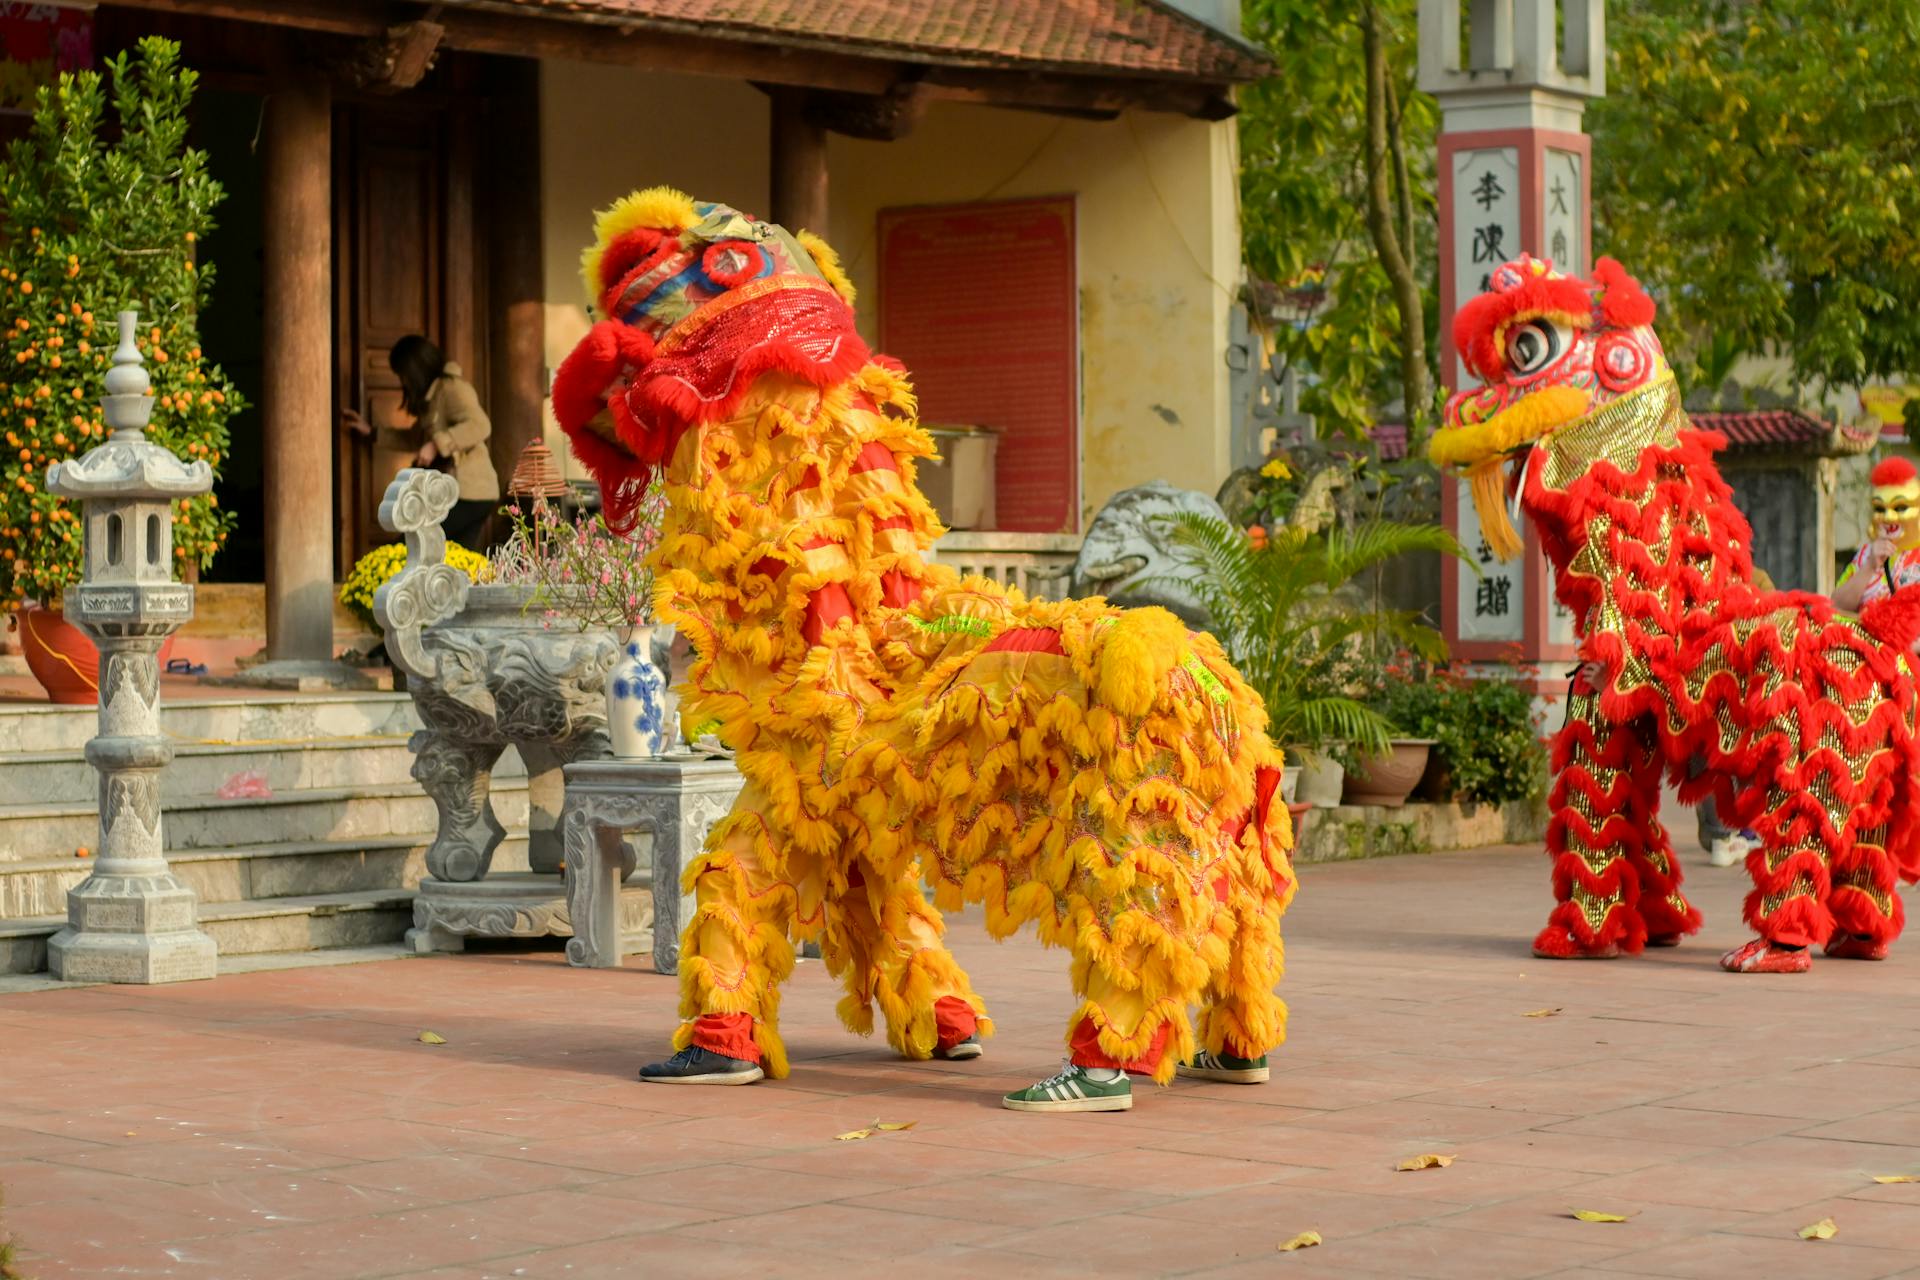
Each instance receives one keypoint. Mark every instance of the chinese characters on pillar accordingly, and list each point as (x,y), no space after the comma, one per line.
(1486,221)
(1563,216)
(1490,600)
(1486,232)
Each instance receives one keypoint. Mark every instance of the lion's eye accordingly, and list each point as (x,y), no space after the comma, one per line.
(1534,345)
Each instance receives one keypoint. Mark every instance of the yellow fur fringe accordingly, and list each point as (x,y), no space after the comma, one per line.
(828,261)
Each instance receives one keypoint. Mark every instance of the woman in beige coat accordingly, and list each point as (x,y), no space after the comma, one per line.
(442,421)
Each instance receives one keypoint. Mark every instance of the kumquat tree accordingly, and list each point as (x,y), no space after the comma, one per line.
(96,219)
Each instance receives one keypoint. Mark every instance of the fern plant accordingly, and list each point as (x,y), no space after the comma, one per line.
(1286,618)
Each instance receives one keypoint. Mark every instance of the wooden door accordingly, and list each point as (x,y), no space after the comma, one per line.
(407,262)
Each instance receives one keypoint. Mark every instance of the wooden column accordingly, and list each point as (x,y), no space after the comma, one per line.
(297,410)
(516,281)
(799,178)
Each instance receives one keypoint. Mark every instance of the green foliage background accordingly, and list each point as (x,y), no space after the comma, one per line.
(1755,164)
(97,217)
(1303,195)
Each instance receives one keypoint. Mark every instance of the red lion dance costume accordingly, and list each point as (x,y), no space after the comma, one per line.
(1102,774)
(1803,716)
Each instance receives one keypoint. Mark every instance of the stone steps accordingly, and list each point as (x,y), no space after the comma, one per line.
(262,926)
(328,860)
(55,777)
(269,720)
(39,831)
(287,869)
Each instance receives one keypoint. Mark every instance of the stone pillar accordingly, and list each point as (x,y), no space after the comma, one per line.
(799,176)
(131,920)
(297,409)
(1514,175)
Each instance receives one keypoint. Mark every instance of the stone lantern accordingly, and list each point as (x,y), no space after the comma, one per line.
(131,920)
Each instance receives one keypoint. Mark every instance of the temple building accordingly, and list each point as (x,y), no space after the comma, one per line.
(1036,199)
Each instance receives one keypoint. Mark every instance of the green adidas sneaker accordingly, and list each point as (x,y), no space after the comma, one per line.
(1225,1068)
(1073,1090)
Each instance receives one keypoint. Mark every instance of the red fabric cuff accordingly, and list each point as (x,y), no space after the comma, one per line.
(955,1020)
(1087,1051)
(728,1034)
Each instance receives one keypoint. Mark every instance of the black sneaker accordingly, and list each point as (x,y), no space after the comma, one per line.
(694,1065)
(968,1048)
(1225,1068)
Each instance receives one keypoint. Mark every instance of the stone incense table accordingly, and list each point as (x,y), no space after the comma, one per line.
(487,671)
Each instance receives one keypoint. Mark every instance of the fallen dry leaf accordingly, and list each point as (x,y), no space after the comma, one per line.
(1888,1179)
(1821,1230)
(896,1126)
(1540,1013)
(428,1037)
(1594,1215)
(853,1136)
(1305,1240)
(1415,1163)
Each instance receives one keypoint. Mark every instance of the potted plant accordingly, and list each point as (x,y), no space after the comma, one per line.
(581,570)
(96,218)
(1486,734)
(1300,634)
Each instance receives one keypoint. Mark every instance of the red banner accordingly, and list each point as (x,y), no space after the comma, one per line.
(982,303)
(37,43)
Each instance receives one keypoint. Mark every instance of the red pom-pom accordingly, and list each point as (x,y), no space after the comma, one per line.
(1623,303)
(1893,471)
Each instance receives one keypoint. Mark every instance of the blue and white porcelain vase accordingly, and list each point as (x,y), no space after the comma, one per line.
(637,700)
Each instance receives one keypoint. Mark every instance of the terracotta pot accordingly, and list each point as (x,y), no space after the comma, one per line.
(62,657)
(1321,780)
(1389,779)
(1436,783)
(1299,813)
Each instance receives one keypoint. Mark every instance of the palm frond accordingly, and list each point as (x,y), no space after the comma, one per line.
(1288,623)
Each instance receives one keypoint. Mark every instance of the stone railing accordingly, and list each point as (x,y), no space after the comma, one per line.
(1038,564)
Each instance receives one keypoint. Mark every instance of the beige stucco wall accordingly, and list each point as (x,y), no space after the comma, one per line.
(1157,232)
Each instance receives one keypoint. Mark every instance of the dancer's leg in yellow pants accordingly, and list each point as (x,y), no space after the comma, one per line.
(750,891)
(886,942)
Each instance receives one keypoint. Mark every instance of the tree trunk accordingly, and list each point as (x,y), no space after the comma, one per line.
(1395,256)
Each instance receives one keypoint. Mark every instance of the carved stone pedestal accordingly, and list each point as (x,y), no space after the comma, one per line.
(519,905)
(131,920)
(132,928)
(676,800)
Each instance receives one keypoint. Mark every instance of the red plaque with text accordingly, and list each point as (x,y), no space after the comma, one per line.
(981,302)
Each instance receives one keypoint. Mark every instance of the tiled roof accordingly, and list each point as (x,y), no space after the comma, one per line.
(1787,429)
(1114,37)
(1391,439)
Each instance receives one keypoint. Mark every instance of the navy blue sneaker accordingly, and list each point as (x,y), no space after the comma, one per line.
(694,1065)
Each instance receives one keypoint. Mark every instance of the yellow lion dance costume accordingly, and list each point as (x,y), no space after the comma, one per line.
(1102,774)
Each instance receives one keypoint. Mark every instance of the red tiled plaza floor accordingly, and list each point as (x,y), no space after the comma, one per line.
(291,1124)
